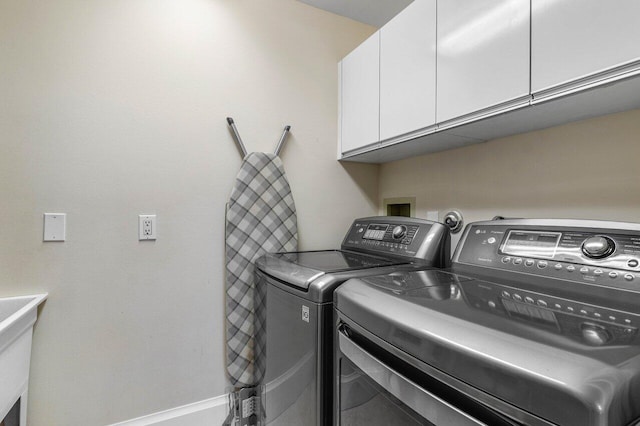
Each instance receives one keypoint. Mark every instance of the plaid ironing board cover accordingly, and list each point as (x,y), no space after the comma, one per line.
(261,218)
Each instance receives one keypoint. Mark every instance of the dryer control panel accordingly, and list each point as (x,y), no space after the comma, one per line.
(605,253)
(414,238)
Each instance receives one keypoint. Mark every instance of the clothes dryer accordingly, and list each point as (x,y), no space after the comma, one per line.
(294,308)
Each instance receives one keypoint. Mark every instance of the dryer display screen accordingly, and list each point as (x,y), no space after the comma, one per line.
(534,244)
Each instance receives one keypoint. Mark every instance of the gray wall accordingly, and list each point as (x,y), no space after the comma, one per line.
(114,108)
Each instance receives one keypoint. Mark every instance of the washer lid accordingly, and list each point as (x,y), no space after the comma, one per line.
(301,268)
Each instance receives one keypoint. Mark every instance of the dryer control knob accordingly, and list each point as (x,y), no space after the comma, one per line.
(595,335)
(399,231)
(598,247)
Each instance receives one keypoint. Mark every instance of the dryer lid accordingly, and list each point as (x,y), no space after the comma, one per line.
(533,356)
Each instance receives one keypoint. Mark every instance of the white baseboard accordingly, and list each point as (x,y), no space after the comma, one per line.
(210,412)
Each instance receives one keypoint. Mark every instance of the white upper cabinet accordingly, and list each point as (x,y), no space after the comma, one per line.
(572,39)
(483,55)
(408,70)
(360,95)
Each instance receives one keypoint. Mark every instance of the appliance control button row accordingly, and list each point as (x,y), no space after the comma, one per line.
(584,270)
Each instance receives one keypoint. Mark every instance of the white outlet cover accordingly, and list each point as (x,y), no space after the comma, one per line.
(55,227)
(147,227)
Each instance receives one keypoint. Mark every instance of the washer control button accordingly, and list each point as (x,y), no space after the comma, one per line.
(542,303)
(517,297)
(570,309)
(629,277)
(571,268)
(529,300)
(613,274)
(517,261)
(506,294)
(542,264)
(529,262)
(597,272)
(584,270)
(558,266)
(506,259)
(633,263)
(491,240)
(399,232)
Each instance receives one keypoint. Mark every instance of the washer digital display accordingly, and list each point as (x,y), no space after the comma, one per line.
(375,232)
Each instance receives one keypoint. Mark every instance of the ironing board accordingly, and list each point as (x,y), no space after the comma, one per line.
(261,218)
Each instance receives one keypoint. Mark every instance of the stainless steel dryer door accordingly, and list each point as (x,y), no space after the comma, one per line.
(372,391)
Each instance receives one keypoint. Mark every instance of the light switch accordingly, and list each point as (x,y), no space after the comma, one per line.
(55,226)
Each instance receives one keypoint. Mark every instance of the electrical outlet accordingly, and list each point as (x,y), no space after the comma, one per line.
(147,228)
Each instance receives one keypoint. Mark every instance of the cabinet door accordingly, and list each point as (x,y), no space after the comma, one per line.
(360,95)
(483,54)
(408,70)
(571,39)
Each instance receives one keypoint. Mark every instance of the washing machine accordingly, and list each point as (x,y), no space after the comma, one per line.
(294,311)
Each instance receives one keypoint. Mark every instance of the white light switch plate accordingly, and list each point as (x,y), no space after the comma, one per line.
(55,227)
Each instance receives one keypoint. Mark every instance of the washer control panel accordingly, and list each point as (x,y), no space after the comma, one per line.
(606,256)
(400,236)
